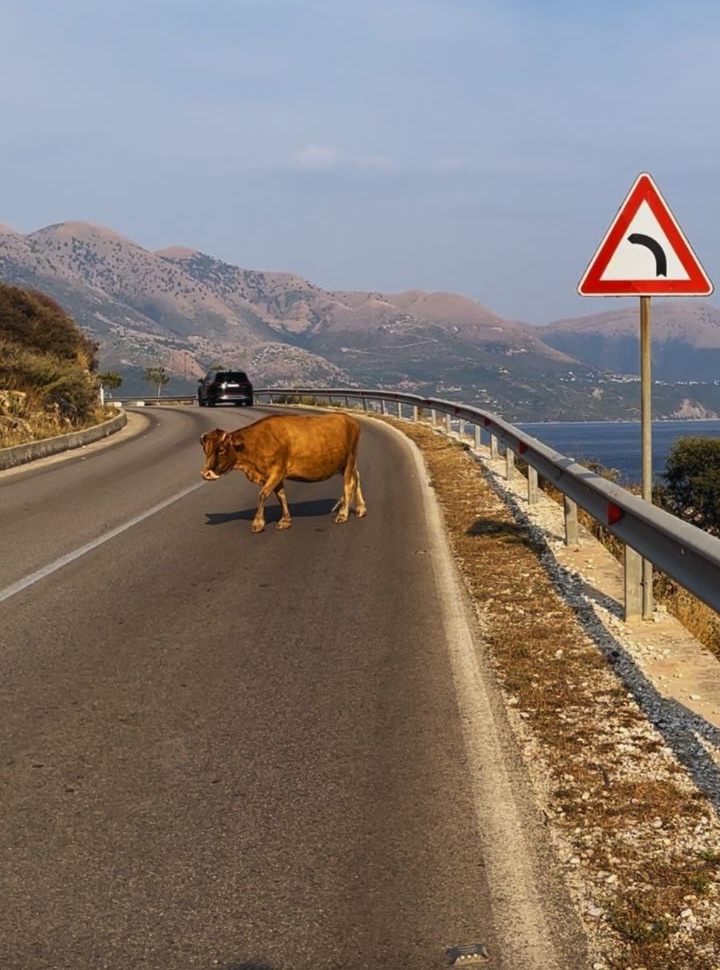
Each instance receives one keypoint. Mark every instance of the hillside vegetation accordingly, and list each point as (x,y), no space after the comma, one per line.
(47,364)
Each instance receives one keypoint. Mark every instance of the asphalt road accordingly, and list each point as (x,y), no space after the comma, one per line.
(271,752)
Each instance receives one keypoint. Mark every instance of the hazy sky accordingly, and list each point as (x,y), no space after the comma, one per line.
(476,147)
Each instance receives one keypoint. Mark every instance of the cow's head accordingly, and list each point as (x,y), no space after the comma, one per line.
(220,454)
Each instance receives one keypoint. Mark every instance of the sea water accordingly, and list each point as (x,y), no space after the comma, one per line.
(618,444)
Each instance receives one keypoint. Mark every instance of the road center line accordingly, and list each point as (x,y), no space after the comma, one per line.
(69,557)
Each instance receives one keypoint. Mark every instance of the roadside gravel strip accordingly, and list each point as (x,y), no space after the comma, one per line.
(628,782)
(539,928)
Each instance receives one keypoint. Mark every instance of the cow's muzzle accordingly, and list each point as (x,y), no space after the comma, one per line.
(208,475)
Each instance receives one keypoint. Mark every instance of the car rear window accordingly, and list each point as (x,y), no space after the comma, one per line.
(236,376)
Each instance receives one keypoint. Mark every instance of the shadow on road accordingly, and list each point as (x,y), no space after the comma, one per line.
(298,510)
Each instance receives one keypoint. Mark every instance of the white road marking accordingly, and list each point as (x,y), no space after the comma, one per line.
(69,557)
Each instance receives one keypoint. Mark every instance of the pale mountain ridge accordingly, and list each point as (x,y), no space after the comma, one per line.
(185,310)
(122,268)
(289,299)
(15,246)
(694,322)
(685,339)
(187,291)
(141,306)
(269,293)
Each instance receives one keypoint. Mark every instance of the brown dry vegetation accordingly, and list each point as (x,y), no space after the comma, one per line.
(24,419)
(47,385)
(639,841)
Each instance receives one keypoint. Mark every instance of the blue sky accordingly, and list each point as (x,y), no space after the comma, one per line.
(477,147)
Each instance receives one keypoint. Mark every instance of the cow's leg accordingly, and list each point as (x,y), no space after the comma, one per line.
(360,506)
(342,506)
(285,521)
(258,522)
(273,484)
(351,485)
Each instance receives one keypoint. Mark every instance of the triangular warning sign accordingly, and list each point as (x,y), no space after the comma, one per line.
(644,252)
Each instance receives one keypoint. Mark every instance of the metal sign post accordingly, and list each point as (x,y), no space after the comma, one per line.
(644,253)
(646,433)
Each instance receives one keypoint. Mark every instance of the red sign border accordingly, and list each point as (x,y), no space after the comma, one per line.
(644,190)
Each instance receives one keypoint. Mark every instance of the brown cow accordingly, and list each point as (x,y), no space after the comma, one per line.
(302,448)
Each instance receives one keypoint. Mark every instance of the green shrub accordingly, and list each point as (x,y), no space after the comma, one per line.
(691,488)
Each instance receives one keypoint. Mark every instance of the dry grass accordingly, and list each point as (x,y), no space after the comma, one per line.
(624,813)
(46,424)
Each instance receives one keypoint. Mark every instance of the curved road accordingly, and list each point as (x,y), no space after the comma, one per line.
(272,752)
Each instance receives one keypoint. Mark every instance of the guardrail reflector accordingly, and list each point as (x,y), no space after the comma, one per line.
(614,513)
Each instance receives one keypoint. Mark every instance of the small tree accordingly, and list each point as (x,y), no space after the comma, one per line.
(692,482)
(110,380)
(157,377)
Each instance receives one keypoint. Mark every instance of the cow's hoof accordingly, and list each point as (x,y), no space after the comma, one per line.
(361,513)
(284,524)
(258,527)
(341,517)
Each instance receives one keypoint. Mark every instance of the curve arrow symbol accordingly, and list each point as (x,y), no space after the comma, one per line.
(655,248)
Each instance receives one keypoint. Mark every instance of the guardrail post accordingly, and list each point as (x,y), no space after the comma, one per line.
(493,446)
(647,590)
(365,407)
(571,522)
(399,403)
(532,485)
(416,413)
(477,436)
(448,424)
(633,585)
(432,417)
(509,464)
(382,406)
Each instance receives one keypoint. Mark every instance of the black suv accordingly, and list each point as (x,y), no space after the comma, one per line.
(224,387)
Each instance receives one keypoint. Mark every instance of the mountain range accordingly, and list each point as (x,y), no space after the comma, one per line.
(186,311)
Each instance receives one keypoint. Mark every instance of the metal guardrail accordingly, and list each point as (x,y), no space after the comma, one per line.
(149,401)
(687,554)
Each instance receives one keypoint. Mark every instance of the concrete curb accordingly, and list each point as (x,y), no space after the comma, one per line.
(19,455)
